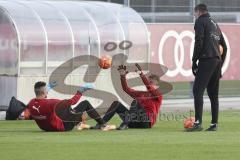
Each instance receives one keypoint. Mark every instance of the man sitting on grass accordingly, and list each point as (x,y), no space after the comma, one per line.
(145,106)
(47,112)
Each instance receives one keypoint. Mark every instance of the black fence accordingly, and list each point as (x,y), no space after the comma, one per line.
(181,11)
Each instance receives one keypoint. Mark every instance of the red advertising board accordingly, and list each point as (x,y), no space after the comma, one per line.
(172,45)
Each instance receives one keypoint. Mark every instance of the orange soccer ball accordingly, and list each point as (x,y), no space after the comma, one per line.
(188,123)
(105,62)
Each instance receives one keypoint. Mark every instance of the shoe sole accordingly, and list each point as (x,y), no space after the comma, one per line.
(85,127)
(121,129)
(211,130)
(109,128)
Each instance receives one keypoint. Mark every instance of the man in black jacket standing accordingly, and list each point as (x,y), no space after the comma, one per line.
(207,72)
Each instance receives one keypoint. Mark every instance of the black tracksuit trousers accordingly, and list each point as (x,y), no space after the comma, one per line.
(136,117)
(207,76)
(79,109)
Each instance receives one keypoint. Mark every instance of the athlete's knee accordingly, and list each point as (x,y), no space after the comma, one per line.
(212,96)
(86,104)
(194,89)
(196,93)
(115,103)
(117,106)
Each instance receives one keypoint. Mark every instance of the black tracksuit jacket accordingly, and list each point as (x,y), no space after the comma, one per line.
(208,37)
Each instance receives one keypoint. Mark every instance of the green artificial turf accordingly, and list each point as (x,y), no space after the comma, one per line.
(183,89)
(22,140)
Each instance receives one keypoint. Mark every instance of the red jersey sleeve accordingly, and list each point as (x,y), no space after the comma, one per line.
(149,86)
(75,98)
(133,93)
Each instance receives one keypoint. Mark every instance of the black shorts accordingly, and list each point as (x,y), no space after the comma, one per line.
(138,116)
(63,111)
(139,125)
(68,126)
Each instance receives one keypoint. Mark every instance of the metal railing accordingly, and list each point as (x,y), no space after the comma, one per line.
(173,11)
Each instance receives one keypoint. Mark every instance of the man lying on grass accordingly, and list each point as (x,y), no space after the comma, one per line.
(47,112)
(145,106)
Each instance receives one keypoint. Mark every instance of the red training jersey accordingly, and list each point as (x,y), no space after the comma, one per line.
(43,112)
(151,99)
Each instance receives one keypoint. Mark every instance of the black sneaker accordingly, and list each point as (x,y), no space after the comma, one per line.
(213,127)
(122,126)
(195,128)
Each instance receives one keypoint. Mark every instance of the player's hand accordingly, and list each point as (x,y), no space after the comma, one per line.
(122,70)
(51,85)
(194,68)
(85,87)
(139,68)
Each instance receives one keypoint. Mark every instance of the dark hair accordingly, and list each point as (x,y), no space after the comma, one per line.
(38,86)
(201,7)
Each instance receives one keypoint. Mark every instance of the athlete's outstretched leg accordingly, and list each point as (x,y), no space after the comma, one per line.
(120,109)
(91,111)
